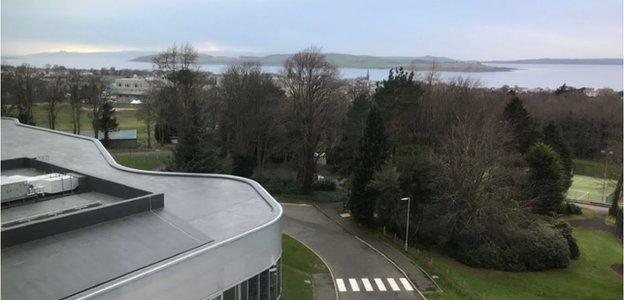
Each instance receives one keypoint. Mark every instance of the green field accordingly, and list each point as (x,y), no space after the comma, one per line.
(596,168)
(126,117)
(299,264)
(590,189)
(589,277)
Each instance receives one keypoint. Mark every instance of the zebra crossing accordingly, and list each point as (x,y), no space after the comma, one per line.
(353,285)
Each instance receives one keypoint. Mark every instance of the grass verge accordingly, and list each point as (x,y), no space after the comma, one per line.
(589,277)
(299,264)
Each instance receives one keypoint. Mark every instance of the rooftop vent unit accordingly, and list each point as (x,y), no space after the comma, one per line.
(16,187)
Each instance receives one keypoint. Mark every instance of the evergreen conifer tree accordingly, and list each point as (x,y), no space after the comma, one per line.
(195,152)
(553,138)
(523,125)
(373,152)
(545,177)
(107,122)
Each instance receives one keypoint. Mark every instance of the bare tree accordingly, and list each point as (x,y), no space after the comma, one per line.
(27,81)
(75,99)
(181,84)
(311,84)
(433,76)
(251,113)
(481,170)
(55,93)
(9,98)
(92,92)
(148,112)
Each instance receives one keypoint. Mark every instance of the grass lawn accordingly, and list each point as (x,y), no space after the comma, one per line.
(298,264)
(589,277)
(126,117)
(143,162)
(585,188)
(595,168)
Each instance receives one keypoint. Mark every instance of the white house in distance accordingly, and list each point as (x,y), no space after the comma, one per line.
(129,89)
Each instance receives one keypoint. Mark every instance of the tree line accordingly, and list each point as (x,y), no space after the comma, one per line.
(486,169)
(23,86)
(486,175)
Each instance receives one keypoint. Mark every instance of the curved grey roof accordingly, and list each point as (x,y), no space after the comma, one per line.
(201,211)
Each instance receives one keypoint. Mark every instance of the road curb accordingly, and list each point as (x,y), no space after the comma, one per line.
(394,264)
(381,253)
(323,260)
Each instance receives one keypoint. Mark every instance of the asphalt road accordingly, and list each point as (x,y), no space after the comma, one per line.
(359,272)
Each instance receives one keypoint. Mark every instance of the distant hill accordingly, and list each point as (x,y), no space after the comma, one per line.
(136,60)
(563,61)
(65,54)
(419,63)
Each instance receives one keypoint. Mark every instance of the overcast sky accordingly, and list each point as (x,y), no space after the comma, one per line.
(478,30)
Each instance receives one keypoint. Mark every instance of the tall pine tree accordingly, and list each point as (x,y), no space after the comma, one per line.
(352,130)
(195,152)
(107,122)
(398,99)
(524,127)
(373,152)
(553,138)
(545,179)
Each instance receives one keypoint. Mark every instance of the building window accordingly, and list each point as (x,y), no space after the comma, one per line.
(230,294)
(253,287)
(264,285)
(243,291)
(119,84)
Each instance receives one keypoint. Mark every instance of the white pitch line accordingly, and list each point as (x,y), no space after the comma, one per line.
(380,285)
(367,285)
(341,285)
(406,285)
(393,284)
(354,285)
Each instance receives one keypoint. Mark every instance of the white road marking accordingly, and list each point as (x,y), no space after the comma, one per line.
(354,285)
(406,285)
(393,284)
(367,285)
(341,285)
(380,285)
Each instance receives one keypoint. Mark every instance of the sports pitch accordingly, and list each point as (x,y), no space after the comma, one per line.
(590,189)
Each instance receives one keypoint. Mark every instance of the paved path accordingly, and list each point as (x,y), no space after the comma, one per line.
(597,222)
(359,271)
(424,283)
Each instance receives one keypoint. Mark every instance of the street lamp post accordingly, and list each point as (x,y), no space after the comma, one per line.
(604,179)
(409,200)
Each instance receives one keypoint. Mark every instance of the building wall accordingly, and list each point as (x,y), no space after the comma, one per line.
(206,275)
(129,86)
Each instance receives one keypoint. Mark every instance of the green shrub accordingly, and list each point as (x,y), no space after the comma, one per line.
(325,184)
(534,248)
(570,209)
(278,185)
(566,231)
